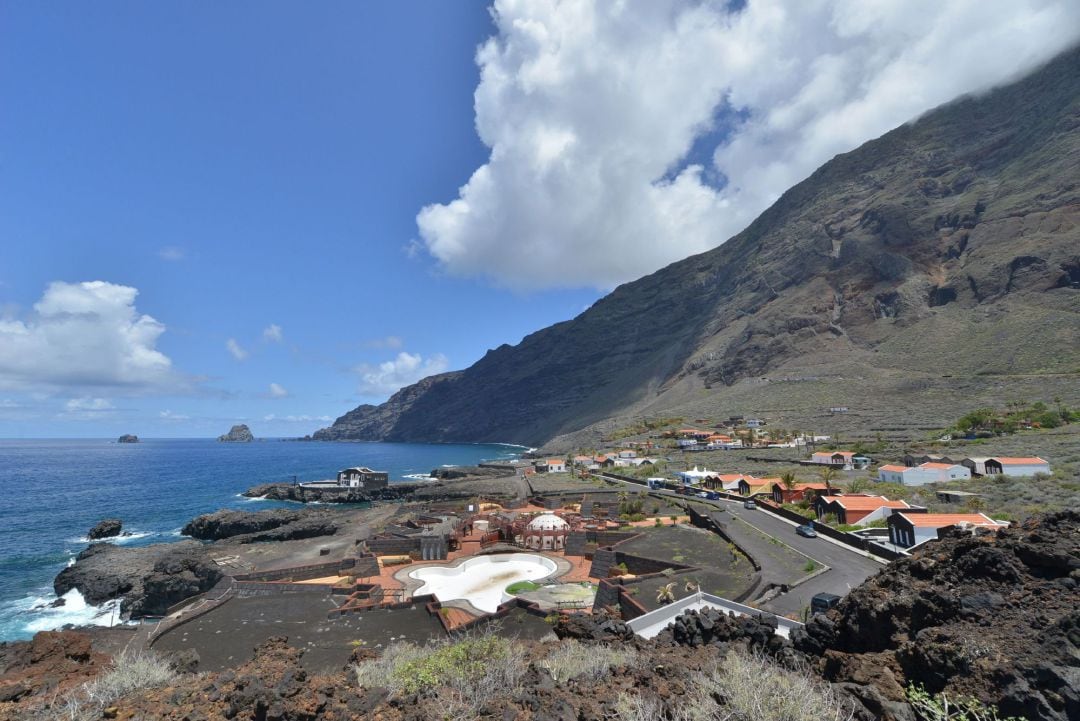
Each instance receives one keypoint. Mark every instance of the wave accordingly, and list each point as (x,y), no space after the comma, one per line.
(131,536)
(418,476)
(26,616)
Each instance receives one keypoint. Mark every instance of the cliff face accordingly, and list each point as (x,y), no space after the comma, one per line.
(949,244)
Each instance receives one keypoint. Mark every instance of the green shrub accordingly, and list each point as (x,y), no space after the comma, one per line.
(574,660)
(521,587)
(939,707)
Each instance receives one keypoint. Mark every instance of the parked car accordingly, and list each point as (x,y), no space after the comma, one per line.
(713,496)
(806,531)
(749,505)
(822,602)
(701,494)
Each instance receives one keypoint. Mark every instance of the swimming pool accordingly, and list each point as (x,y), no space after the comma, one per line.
(481,580)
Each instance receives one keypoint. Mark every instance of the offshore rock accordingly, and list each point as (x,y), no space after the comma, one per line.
(109,528)
(237,434)
(128,438)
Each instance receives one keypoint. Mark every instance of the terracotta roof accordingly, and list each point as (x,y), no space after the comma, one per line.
(894,468)
(940,520)
(811,486)
(937,466)
(867,503)
(556,461)
(1018,461)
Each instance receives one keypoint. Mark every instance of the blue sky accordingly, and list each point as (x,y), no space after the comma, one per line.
(268,213)
(244,165)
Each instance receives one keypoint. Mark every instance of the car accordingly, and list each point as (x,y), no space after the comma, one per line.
(749,505)
(701,494)
(806,531)
(822,602)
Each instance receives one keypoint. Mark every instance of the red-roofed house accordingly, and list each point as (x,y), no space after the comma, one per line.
(911,529)
(846,460)
(799,492)
(858,510)
(551,465)
(922,474)
(1016,466)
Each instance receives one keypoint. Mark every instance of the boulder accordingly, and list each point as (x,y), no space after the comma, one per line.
(109,528)
(259,526)
(128,438)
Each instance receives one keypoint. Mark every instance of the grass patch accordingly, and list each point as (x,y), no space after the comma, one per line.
(521,587)
(131,671)
(574,660)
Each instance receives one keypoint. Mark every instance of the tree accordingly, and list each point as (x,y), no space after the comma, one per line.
(828,475)
(788,479)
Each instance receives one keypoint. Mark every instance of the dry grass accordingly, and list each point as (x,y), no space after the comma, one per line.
(573,660)
(745,686)
(131,671)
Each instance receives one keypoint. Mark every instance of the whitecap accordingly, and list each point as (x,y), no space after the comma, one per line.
(35,614)
(128,537)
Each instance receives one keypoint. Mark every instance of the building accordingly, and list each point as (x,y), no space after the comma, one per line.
(546,532)
(1023,467)
(977,465)
(363,477)
(845,460)
(911,529)
(858,510)
(924,473)
(751,486)
(914,460)
(551,465)
(627,453)
(799,492)
(694,477)
(754,423)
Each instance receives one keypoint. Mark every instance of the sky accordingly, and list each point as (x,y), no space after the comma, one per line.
(268,213)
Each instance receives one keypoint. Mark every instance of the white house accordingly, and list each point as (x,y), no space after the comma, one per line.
(627,454)
(754,423)
(911,529)
(687,442)
(551,465)
(1016,466)
(922,474)
(694,477)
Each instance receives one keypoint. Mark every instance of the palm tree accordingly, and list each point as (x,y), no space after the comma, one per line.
(788,479)
(666,593)
(828,475)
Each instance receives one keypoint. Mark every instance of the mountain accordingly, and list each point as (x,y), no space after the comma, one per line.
(933,268)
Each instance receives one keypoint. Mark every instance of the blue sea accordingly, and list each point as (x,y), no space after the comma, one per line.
(54,491)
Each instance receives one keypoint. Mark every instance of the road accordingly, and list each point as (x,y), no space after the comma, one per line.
(848,567)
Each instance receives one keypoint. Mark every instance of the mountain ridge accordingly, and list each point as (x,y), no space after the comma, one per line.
(957,230)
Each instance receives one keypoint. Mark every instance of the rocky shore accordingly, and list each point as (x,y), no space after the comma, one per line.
(990,619)
(237,434)
(261,526)
(147,580)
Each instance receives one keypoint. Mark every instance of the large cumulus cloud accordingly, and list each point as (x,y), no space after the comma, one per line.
(85,335)
(626,135)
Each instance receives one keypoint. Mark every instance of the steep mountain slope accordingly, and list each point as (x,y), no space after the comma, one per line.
(949,246)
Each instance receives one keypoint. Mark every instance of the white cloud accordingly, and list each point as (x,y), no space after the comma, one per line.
(590,110)
(277,391)
(235,349)
(272,333)
(168,415)
(296,419)
(172,253)
(390,342)
(85,335)
(89,404)
(385,378)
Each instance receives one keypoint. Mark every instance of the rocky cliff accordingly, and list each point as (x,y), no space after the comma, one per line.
(946,247)
(237,434)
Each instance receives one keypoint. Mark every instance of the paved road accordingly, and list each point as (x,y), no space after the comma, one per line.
(848,567)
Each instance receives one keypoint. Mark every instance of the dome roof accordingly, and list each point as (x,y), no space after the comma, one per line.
(548,522)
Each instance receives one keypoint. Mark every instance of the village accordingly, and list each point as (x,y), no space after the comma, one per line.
(642,531)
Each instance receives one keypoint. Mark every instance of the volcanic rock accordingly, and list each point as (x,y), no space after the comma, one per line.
(109,528)
(128,438)
(993,617)
(259,526)
(237,434)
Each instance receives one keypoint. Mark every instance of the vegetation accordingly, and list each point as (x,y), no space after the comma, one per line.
(644,426)
(131,671)
(744,686)
(573,660)
(985,422)
(461,674)
(521,587)
(940,707)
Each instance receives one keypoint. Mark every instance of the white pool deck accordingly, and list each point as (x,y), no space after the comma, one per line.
(481,580)
(653,622)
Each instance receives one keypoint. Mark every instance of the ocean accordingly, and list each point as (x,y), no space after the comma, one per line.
(54,491)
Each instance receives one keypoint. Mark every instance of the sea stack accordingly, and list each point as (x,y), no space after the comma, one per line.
(237,434)
(128,438)
(109,528)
